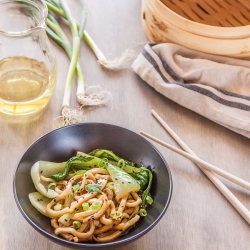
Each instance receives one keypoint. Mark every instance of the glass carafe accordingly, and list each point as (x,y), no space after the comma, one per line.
(27,62)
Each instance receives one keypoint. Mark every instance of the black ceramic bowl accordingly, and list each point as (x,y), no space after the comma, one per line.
(61,144)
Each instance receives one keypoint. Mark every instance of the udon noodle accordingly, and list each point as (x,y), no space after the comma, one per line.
(82,214)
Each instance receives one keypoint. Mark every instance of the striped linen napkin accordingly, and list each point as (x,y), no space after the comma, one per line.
(215,87)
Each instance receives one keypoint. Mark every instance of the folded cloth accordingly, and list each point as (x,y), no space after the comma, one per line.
(215,87)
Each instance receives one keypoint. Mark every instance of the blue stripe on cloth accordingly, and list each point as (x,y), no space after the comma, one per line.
(197,88)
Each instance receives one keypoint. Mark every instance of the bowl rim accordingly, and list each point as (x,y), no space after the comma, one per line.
(67,243)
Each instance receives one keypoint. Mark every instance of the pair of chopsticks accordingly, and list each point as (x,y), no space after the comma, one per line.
(206,167)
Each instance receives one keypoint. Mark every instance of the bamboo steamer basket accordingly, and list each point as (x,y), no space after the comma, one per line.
(220,27)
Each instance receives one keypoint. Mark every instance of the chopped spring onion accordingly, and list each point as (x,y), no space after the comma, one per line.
(77,224)
(85,206)
(51,185)
(110,185)
(76,187)
(149,200)
(143,212)
(96,205)
(116,215)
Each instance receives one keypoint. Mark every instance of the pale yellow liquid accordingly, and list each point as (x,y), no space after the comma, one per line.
(26,85)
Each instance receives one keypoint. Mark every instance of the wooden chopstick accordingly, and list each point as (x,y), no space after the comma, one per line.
(244,212)
(205,164)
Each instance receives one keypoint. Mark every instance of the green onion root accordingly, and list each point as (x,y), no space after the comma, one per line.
(93,96)
(119,62)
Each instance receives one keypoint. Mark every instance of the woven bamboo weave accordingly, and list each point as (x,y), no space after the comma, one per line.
(220,27)
(223,13)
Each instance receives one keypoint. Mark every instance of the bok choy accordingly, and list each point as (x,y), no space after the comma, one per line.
(126,176)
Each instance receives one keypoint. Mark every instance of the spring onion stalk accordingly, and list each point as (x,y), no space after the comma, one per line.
(56,8)
(55,3)
(57,34)
(115,64)
(54,30)
(81,28)
(75,54)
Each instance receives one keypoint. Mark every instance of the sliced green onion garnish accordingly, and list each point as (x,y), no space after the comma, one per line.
(116,215)
(142,212)
(76,187)
(77,224)
(85,206)
(52,184)
(149,199)
(96,205)
(110,185)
